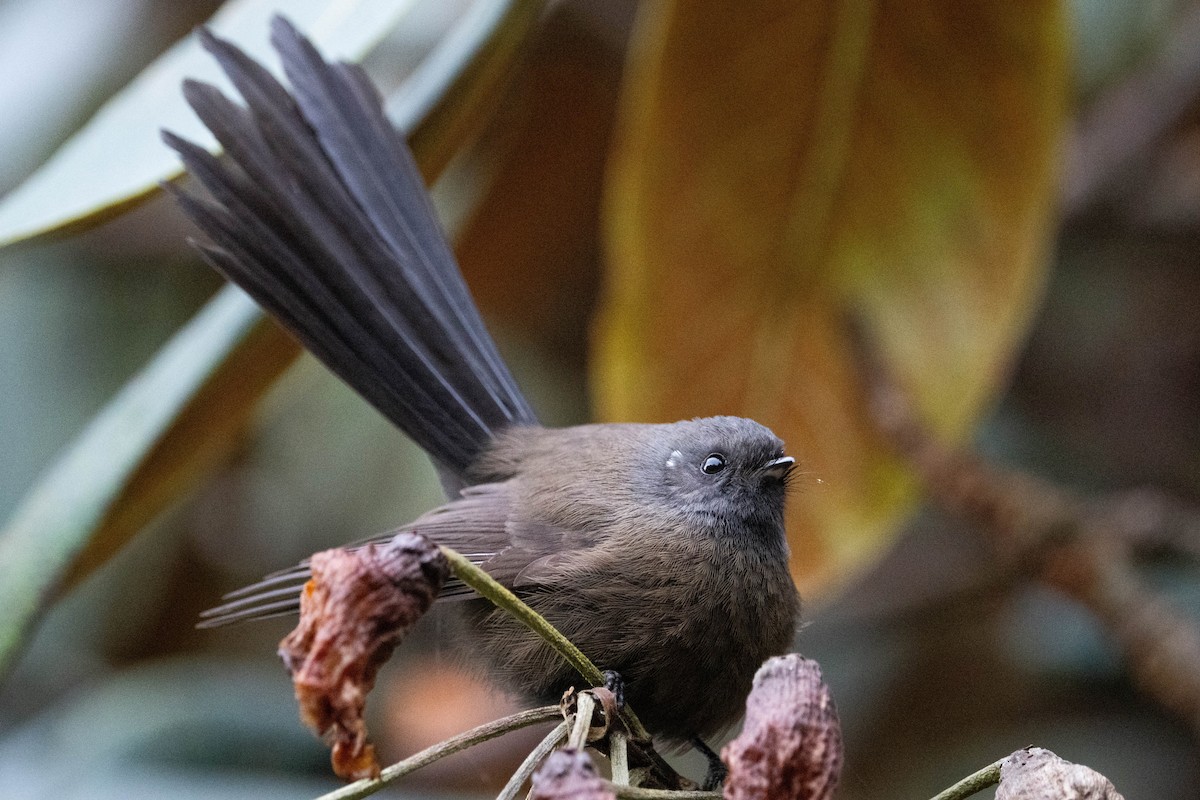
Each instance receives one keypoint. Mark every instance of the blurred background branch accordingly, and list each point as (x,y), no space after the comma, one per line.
(1056,536)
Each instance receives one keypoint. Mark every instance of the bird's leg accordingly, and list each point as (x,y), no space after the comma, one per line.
(615,684)
(716,767)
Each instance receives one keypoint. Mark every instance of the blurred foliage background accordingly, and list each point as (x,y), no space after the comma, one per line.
(663,212)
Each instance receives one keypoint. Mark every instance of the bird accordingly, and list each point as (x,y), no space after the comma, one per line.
(658,549)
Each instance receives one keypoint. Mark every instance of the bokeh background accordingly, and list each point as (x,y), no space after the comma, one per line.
(939,661)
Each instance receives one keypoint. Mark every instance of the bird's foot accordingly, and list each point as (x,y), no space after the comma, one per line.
(615,684)
(717,771)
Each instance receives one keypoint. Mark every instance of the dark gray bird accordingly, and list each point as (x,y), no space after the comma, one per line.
(658,549)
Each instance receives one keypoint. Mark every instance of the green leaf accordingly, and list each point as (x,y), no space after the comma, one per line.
(117,158)
(128,459)
(185,411)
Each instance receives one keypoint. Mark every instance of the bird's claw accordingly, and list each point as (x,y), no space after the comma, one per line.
(717,771)
(615,684)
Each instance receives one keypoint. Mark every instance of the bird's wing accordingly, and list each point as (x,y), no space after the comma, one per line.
(477,524)
(487,526)
(539,554)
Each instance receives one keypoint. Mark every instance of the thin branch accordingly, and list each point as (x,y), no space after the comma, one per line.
(585,704)
(482,733)
(638,793)
(531,762)
(976,782)
(618,758)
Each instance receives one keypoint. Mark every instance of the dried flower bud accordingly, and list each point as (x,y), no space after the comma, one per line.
(353,612)
(791,744)
(569,774)
(1038,774)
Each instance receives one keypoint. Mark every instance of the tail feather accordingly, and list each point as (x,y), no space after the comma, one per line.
(320,214)
(394,198)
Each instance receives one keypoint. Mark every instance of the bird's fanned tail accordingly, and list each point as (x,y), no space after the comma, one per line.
(320,214)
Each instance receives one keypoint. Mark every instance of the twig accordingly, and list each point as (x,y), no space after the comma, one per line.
(585,704)
(638,793)
(618,758)
(976,782)
(462,741)
(531,762)
(1052,531)
(502,598)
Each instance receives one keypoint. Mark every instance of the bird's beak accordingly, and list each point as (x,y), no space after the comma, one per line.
(778,468)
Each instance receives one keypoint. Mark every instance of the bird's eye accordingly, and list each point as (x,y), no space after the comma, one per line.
(714,463)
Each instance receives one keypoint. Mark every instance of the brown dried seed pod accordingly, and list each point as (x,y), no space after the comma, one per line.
(791,743)
(569,774)
(356,608)
(1038,774)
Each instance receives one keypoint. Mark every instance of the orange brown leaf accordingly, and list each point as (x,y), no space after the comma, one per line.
(779,170)
(357,607)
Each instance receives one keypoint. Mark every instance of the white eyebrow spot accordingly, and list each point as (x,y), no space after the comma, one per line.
(674,459)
